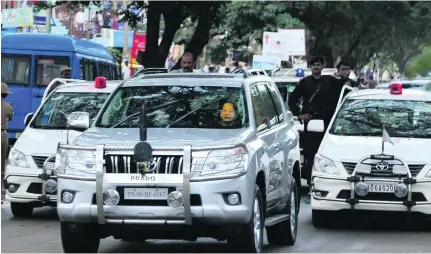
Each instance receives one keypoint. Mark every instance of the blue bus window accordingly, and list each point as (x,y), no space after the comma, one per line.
(49,68)
(15,69)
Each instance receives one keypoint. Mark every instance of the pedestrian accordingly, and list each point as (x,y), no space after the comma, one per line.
(6,115)
(309,90)
(372,84)
(186,62)
(65,73)
(125,70)
(79,21)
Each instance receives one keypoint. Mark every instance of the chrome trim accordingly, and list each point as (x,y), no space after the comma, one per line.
(370,201)
(44,173)
(75,177)
(99,184)
(186,182)
(145,222)
(52,198)
(213,178)
(22,175)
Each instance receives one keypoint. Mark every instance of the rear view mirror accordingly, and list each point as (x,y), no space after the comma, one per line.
(78,121)
(316,125)
(28,118)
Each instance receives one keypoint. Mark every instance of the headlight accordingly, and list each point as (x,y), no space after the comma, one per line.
(223,162)
(324,165)
(18,159)
(73,161)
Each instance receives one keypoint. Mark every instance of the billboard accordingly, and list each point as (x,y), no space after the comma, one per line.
(19,17)
(139,42)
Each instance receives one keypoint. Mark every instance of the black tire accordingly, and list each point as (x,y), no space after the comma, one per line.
(321,219)
(21,210)
(79,238)
(245,241)
(285,233)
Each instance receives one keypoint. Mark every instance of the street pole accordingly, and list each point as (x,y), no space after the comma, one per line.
(48,19)
(126,54)
(89,22)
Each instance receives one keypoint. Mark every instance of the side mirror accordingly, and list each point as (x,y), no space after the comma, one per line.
(316,125)
(78,121)
(28,118)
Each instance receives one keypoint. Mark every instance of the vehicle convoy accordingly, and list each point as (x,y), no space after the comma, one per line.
(355,168)
(31,61)
(24,184)
(182,156)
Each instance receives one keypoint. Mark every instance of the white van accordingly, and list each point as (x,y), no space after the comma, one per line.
(357,167)
(45,129)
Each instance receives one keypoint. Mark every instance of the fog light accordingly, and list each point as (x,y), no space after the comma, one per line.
(67,197)
(51,186)
(12,188)
(361,189)
(233,199)
(400,190)
(175,199)
(111,197)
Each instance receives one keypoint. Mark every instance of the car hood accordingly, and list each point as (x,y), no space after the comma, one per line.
(347,148)
(41,141)
(166,137)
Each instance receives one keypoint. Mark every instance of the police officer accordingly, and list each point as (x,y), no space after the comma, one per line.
(6,115)
(311,91)
(65,72)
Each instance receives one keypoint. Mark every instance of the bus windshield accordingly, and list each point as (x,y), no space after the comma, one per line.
(58,107)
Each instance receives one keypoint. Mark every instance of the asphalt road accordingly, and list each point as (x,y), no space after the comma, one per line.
(41,234)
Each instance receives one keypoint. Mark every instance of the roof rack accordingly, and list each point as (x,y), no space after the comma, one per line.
(254,72)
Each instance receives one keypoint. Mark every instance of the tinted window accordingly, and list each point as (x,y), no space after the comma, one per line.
(177,107)
(258,109)
(278,102)
(49,68)
(268,104)
(401,118)
(58,106)
(285,88)
(15,69)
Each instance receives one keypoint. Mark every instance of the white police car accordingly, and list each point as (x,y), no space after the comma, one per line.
(357,167)
(47,127)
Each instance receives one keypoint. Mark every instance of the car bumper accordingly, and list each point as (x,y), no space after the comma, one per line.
(30,186)
(333,193)
(207,201)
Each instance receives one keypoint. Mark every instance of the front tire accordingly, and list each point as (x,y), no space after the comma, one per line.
(250,240)
(21,210)
(285,232)
(79,238)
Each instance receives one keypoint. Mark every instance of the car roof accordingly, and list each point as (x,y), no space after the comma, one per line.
(379,94)
(191,79)
(88,86)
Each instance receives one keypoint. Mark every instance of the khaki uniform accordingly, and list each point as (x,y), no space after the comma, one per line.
(6,115)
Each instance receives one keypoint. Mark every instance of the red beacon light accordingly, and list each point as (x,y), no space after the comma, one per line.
(100,82)
(396,88)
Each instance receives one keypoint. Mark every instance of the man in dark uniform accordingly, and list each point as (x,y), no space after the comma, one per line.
(310,89)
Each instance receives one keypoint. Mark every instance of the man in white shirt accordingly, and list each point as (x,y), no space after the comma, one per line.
(79,21)
(125,70)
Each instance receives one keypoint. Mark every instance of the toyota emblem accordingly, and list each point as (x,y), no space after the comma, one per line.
(382,166)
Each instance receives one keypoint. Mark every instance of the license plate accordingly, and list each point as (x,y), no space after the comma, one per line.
(381,187)
(145,193)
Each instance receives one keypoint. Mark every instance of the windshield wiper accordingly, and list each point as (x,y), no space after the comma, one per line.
(137,113)
(193,111)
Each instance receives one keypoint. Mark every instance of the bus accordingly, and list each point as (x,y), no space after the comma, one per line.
(29,62)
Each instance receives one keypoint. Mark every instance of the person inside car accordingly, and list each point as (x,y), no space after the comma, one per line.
(228,116)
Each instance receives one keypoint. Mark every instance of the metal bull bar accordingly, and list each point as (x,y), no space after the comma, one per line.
(358,176)
(45,177)
(99,178)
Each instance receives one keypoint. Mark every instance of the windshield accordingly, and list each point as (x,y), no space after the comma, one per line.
(58,106)
(177,107)
(366,117)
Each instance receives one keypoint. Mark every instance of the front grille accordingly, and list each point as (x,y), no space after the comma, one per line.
(126,165)
(39,160)
(36,188)
(414,169)
(416,196)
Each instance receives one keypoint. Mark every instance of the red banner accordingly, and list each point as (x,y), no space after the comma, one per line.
(139,41)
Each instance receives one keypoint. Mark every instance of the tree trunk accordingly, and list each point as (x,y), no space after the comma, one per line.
(172,24)
(199,39)
(151,58)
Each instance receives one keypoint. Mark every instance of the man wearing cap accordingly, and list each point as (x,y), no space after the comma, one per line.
(6,115)
(65,72)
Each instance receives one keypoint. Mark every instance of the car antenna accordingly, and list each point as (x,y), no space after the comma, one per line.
(143,122)
(143,152)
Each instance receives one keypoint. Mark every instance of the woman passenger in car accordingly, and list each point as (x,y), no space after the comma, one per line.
(228,117)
